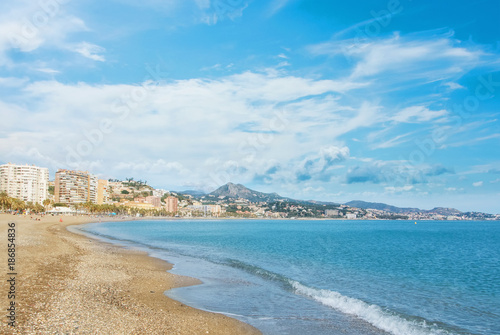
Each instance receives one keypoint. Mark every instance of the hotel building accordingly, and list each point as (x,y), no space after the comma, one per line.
(214,210)
(155,201)
(171,204)
(24,182)
(73,187)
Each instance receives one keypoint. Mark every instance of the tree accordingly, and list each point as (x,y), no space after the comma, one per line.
(18,205)
(125,192)
(5,201)
(46,203)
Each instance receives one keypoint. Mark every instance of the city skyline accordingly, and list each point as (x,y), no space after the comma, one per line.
(394,101)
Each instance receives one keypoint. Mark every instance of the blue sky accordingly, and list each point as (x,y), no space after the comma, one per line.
(388,101)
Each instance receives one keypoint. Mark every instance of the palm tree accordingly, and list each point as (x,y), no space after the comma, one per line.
(39,208)
(18,205)
(46,204)
(5,200)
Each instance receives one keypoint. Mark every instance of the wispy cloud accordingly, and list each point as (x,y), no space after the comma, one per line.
(47,70)
(193,112)
(275,6)
(406,57)
(415,114)
(473,141)
(380,172)
(90,51)
(27,26)
(13,81)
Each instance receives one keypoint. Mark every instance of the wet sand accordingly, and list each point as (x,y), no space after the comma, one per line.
(71,284)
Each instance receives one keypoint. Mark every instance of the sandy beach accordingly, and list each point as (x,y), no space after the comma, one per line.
(67,283)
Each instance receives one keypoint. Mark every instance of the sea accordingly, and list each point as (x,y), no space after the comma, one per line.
(331,276)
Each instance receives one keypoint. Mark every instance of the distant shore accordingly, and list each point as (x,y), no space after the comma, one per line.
(69,283)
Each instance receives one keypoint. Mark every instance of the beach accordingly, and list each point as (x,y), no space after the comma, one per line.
(69,283)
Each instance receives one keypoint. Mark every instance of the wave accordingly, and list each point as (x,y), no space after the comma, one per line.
(375,315)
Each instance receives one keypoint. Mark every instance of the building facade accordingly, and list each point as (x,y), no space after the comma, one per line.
(25,182)
(213,210)
(154,200)
(171,204)
(74,187)
(102,192)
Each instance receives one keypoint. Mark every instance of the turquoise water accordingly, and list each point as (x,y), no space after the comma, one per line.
(332,277)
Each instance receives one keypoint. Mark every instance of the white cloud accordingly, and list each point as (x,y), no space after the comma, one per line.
(168,127)
(393,142)
(29,25)
(13,81)
(477,184)
(276,6)
(152,167)
(89,50)
(403,57)
(48,70)
(454,86)
(474,141)
(418,114)
(392,189)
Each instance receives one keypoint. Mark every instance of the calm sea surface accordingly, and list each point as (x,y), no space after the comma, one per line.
(331,277)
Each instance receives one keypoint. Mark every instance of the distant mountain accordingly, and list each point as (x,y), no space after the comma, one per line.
(380,206)
(398,210)
(317,202)
(235,191)
(194,193)
(444,211)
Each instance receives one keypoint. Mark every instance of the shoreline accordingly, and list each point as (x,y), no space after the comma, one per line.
(68,282)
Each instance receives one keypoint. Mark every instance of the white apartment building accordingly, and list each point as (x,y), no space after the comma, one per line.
(25,182)
(74,187)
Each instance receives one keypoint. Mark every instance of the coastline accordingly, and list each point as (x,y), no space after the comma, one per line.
(70,283)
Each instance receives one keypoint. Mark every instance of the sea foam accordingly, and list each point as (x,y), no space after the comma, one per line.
(370,313)
(382,319)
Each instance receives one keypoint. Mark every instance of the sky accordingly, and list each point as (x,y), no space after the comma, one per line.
(388,101)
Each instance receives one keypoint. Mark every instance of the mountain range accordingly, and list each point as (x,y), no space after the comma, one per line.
(398,210)
(237,191)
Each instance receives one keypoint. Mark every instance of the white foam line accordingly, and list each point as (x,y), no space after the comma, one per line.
(371,313)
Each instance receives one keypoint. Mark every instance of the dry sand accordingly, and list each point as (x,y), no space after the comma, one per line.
(70,284)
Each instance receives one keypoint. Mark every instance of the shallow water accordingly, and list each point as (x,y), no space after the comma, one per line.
(332,277)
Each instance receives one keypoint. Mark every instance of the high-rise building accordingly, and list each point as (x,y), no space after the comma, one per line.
(171,204)
(102,191)
(155,201)
(24,182)
(73,187)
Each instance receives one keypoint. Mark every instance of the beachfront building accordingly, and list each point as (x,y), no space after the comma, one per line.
(154,200)
(75,187)
(28,183)
(102,192)
(171,204)
(333,212)
(213,210)
(137,203)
